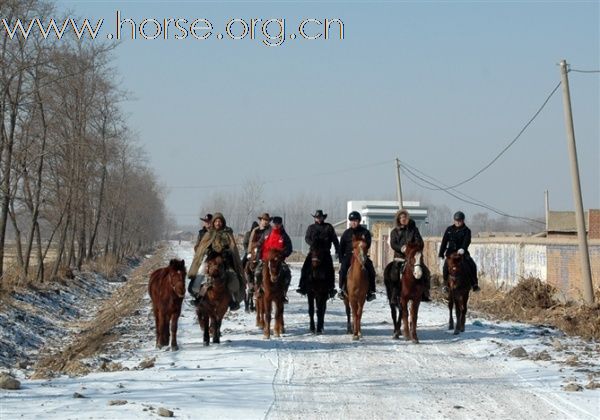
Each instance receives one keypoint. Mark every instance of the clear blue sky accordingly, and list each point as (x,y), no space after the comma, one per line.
(444,86)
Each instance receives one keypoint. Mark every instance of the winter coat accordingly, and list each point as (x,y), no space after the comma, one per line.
(286,242)
(201,234)
(403,235)
(321,236)
(346,240)
(455,238)
(219,241)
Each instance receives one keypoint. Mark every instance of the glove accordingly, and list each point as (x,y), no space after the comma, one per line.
(249,255)
(403,249)
(461,251)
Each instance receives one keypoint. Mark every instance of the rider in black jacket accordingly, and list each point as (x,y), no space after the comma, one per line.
(457,238)
(320,236)
(406,232)
(345,254)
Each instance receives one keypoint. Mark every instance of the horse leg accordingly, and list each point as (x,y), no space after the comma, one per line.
(217,330)
(279,318)
(458,311)
(450,307)
(174,319)
(355,321)
(164,327)
(267,318)
(311,311)
(359,312)
(414,312)
(395,332)
(321,308)
(206,327)
(157,326)
(260,320)
(348,324)
(404,309)
(465,300)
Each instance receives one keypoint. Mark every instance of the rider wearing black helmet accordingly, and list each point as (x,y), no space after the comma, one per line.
(346,254)
(457,238)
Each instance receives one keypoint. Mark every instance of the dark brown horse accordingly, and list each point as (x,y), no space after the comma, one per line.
(273,285)
(391,279)
(459,285)
(357,285)
(167,289)
(318,287)
(412,287)
(212,307)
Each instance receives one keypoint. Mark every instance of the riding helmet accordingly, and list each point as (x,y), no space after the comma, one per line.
(459,215)
(354,215)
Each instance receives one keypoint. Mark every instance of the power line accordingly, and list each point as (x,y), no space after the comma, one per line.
(469,200)
(509,144)
(286,179)
(583,71)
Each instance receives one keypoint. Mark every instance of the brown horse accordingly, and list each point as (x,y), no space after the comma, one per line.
(412,287)
(212,307)
(318,287)
(459,285)
(167,289)
(274,292)
(357,285)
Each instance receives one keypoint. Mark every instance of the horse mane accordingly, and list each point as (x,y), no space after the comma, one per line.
(413,247)
(177,265)
(274,253)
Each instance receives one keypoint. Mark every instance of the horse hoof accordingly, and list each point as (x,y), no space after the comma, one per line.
(174,348)
(456,332)
(415,341)
(266,337)
(396,337)
(355,337)
(462,330)
(319,332)
(206,344)
(451,327)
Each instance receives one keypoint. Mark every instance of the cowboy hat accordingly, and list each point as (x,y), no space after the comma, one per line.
(319,213)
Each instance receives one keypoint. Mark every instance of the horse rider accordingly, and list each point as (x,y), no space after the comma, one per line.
(457,238)
(220,239)
(319,236)
(205,226)
(246,243)
(275,238)
(406,232)
(256,234)
(345,254)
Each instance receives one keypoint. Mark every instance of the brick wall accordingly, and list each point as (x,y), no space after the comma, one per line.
(594,224)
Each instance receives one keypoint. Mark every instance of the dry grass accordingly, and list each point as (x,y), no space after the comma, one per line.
(533,301)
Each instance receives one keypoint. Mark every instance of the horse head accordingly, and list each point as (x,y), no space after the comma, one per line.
(177,273)
(359,249)
(215,267)
(273,263)
(455,270)
(414,258)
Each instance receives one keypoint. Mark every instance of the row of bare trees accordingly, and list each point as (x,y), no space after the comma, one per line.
(73,184)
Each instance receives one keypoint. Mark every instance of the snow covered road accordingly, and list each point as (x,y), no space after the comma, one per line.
(301,376)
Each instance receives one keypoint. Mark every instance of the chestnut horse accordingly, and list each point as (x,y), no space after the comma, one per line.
(357,285)
(318,287)
(412,287)
(211,308)
(273,286)
(167,289)
(459,285)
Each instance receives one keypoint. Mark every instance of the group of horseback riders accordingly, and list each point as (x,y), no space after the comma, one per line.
(268,233)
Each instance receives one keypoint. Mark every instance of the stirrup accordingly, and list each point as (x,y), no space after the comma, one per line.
(445,289)
(371,296)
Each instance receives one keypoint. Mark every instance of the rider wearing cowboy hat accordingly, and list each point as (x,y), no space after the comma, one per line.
(320,235)
(205,226)
(345,254)
(457,238)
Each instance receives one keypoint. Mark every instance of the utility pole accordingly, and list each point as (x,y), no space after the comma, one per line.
(586,272)
(399,185)
(547,207)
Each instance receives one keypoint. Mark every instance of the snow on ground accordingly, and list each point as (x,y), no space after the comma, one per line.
(303,376)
